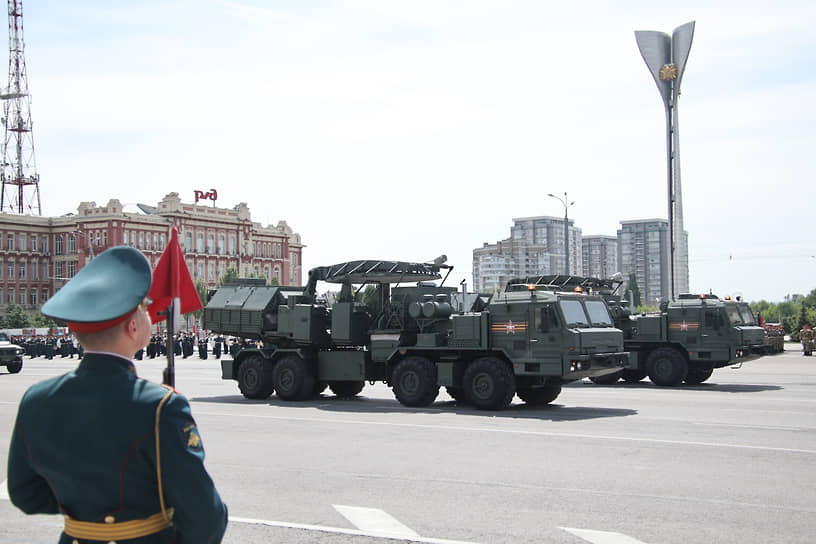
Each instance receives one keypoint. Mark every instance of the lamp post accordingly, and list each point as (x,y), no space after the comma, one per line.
(567,206)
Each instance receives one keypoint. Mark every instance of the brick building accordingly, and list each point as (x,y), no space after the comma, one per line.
(38,255)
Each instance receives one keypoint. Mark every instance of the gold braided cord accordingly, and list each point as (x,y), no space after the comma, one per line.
(124,530)
(158,456)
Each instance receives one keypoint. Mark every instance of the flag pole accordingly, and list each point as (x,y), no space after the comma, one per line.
(170,371)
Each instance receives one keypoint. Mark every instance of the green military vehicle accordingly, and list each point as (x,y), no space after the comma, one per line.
(683,342)
(11,355)
(413,336)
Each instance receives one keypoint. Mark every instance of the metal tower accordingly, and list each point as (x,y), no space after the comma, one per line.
(19,167)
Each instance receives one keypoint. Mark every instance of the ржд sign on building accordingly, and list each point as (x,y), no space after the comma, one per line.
(38,255)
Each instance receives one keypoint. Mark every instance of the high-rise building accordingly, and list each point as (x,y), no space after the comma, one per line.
(644,250)
(535,246)
(600,256)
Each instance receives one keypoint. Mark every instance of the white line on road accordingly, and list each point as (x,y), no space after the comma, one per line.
(339,530)
(4,491)
(375,520)
(601,537)
(482,430)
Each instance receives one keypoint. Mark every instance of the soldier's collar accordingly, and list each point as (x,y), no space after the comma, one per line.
(106,361)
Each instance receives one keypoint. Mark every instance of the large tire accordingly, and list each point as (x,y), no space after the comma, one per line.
(15,367)
(293,379)
(347,388)
(666,367)
(414,381)
(456,393)
(489,383)
(698,375)
(254,378)
(537,396)
(632,376)
(606,379)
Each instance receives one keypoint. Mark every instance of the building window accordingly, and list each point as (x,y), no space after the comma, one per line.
(33,242)
(200,270)
(22,245)
(59,268)
(211,243)
(188,241)
(22,296)
(161,241)
(96,243)
(10,274)
(34,270)
(277,273)
(10,296)
(71,268)
(44,244)
(210,271)
(44,271)
(132,238)
(45,294)
(231,247)
(71,244)
(33,297)
(22,269)
(199,242)
(266,273)
(105,238)
(220,244)
(10,239)
(141,240)
(155,241)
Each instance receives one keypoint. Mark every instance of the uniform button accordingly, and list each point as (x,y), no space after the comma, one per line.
(75,541)
(110,519)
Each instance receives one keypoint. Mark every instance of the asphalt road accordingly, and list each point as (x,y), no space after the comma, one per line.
(730,460)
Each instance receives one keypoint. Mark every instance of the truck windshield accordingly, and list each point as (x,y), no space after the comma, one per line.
(598,313)
(734,316)
(574,313)
(747,316)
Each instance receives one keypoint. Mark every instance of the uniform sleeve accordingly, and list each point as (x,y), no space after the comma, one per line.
(200,515)
(27,489)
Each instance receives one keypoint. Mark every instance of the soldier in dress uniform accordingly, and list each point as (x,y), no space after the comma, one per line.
(202,348)
(806,337)
(119,457)
(217,347)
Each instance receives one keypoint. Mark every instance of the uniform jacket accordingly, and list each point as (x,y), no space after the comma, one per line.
(84,445)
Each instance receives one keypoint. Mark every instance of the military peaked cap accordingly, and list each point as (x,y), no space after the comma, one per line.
(104,292)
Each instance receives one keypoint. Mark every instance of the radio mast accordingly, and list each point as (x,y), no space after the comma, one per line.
(21,190)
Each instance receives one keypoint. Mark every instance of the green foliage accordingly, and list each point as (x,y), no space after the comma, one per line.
(229,275)
(201,289)
(792,315)
(39,320)
(274,282)
(632,287)
(15,318)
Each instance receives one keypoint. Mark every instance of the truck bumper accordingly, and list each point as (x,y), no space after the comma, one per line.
(597,364)
(228,368)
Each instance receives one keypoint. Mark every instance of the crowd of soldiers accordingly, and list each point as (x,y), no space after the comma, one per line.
(48,346)
(185,344)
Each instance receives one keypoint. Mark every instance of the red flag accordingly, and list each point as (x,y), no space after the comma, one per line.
(171,280)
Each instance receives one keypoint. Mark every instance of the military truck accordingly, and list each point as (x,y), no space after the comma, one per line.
(412,337)
(683,342)
(11,355)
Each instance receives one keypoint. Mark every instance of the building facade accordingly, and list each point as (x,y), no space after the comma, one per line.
(600,256)
(38,255)
(643,248)
(535,246)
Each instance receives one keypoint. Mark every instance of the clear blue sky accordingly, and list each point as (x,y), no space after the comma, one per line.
(384,129)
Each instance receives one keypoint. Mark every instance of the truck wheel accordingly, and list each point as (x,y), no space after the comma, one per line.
(414,381)
(606,379)
(698,375)
(254,379)
(347,388)
(632,376)
(538,396)
(15,367)
(456,393)
(666,366)
(292,378)
(489,383)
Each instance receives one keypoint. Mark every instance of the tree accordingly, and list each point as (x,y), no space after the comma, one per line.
(39,320)
(201,288)
(15,318)
(229,275)
(274,281)
(633,288)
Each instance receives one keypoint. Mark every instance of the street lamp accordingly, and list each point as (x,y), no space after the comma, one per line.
(567,206)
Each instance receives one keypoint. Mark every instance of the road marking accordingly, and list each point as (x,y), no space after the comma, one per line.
(339,530)
(601,537)
(483,430)
(4,491)
(375,521)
